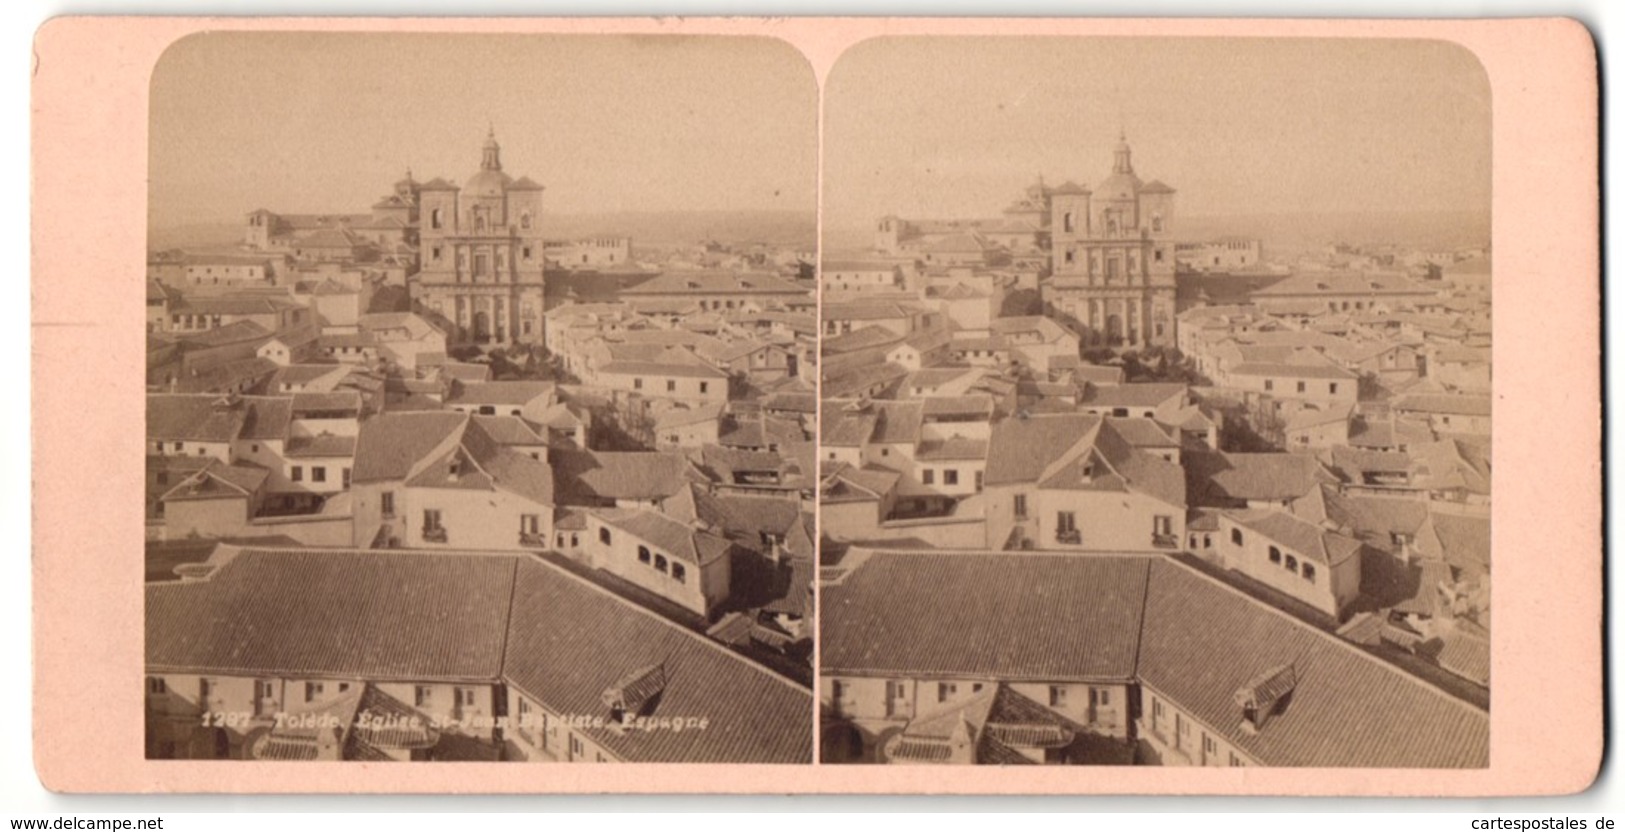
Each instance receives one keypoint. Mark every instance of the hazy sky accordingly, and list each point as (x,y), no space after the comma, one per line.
(328,122)
(956,128)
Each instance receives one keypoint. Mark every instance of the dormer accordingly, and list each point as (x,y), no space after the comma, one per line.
(635,694)
(1265,696)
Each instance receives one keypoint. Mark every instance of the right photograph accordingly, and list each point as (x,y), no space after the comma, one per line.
(1155,403)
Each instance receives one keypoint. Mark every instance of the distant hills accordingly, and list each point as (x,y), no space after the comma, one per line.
(1286,233)
(1283,233)
(646,228)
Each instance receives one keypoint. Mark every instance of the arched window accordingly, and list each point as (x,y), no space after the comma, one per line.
(436,218)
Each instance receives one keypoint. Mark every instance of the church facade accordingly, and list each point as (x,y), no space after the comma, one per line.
(481,256)
(1112,256)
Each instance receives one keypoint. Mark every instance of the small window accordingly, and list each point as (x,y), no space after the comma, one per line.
(603,535)
(298,473)
(660,563)
(1309,572)
(928,476)
(318,473)
(644,555)
(637,384)
(1208,745)
(422,695)
(950,477)
(1291,563)
(1332,388)
(705,387)
(431,519)
(156,686)
(1235,761)
(1275,555)
(1105,696)
(466,697)
(671,386)
(386,503)
(1020,506)
(1303,387)
(946,690)
(1057,696)
(679,573)
(314,691)
(1269,384)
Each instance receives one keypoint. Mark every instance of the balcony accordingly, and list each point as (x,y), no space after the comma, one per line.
(1072,536)
(434,535)
(535,540)
(1165,541)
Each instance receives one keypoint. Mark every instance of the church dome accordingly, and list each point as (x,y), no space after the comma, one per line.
(1119,186)
(487,182)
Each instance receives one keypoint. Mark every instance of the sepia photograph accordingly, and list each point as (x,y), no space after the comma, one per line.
(481,399)
(1156,403)
(811,409)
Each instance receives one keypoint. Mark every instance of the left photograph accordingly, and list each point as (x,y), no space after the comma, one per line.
(481,395)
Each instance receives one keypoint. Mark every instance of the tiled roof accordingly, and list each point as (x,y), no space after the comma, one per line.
(1375,515)
(976,404)
(1305,539)
(1445,404)
(1261,476)
(673,538)
(390,444)
(209,417)
(859,339)
(1467,655)
(953,448)
(896,422)
(1131,395)
(234,332)
(1038,617)
(679,416)
(791,402)
(1203,641)
(499,392)
(859,380)
(1141,432)
(306,373)
(346,400)
(569,641)
(1464,541)
(630,475)
(326,445)
(1021,449)
(217,479)
(310,613)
